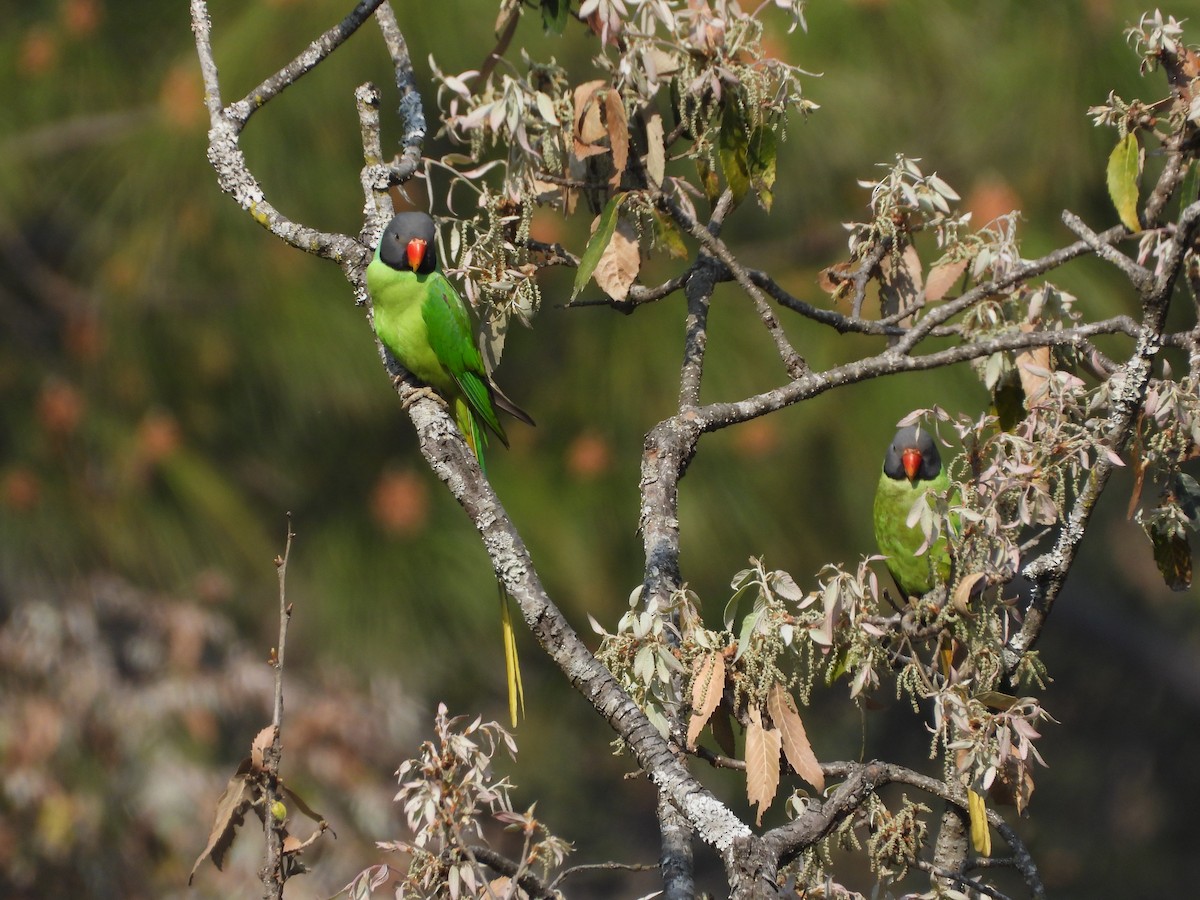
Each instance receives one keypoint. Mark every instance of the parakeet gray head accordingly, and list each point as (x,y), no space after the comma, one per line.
(913,455)
(408,243)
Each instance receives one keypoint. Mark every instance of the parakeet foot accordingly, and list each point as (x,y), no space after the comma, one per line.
(418,393)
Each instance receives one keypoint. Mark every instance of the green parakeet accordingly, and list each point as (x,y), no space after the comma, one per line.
(424,323)
(912,467)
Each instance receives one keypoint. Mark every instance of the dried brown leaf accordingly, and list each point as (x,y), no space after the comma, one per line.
(588,126)
(291,843)
(262,741)
(796,747)
(1013,785)
(656,153)
(235,801)
(835,278)
(961,600)
(942,278)
(618,133)
(762,763)
(619,264)
(299,803)
(1034,366)
(708,683)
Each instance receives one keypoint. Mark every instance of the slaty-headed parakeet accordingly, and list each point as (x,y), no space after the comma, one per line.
(911,468)
(423,322)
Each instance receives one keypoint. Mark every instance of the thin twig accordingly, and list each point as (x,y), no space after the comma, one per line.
(793,362)
(1137,275)
(274,872)
(960,879)
(601,867)
(285,616)
(240,111)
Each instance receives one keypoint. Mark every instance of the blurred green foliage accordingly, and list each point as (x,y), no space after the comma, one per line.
(173,379)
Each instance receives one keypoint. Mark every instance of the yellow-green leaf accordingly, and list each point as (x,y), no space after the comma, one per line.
(1124,167)
(668,237)
(981,835)
(761,154)
(708,180)
(597,245)
(733,149)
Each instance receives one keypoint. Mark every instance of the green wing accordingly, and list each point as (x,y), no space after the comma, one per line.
(452,339)
(914,575)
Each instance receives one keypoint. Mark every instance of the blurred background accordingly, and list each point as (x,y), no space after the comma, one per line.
(174,380)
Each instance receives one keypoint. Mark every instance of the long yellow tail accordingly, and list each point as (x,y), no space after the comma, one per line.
(516,692)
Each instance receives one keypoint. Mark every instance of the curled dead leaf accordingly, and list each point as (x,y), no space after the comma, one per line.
(617,126)
(961,598)
(1035,368)
(300,804)
(236,800)
(262,741)
(618,266)
(589,127)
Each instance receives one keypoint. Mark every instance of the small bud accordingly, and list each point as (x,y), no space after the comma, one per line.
(278,811)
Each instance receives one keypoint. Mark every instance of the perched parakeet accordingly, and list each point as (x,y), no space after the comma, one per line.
(912,467)
(424,323)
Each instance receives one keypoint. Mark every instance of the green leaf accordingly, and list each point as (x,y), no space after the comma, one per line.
(763,149)
(1124,166)
(1008,402)
(1173,556)
(555,14)
(708,180)
(1187,495)
(1189,189)
(597,245)
(668,236)
(748,625)
(733,150)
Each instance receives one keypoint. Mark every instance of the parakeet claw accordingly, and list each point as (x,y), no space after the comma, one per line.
(418,393)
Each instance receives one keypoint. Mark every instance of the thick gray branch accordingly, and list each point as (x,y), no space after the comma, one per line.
(451,460)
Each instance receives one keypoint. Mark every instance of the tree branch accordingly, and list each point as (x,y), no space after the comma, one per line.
(1048,572)
(239,112)
(451,460)
(793,362)
(274,873)
(233,173)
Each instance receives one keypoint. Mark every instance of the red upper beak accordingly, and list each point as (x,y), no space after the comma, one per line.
(416,253)
(911,460)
